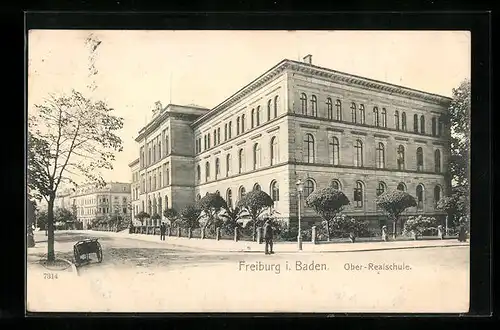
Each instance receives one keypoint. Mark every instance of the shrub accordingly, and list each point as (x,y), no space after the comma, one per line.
(419,226)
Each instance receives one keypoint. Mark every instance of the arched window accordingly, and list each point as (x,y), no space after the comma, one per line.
(229,129)
(269,104)
(334,149)
(225,132)
(238,126)
(252,119)
(434,126)
(420,197)
(274,150)
(258,115)
(207,171)
(380,155)
(335,184)
(420,159)
(353,112)
(437,161)
(160,182)
(309,148)
(415,123)
(275,191)
(208,140)
(375,117)
(384,117)
(422,124)
(358,194)
(229,197)
(241,161)
(154,153)
(358,161)
(396,120)
(276,105)
(314,106)
(160,209)
(308,187)
(361,113)
(241,193)
(303,103)
(217,168)
(228,165)
(329,108)
(381,188)
(439,127)
(166,202)
(403,121)
(256,187)
(437,195)
(338,106)
(243,123)
(256,156)
(154,206)
(401,157)
(401,186)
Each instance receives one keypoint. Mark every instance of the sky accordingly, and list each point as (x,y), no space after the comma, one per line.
(138,68)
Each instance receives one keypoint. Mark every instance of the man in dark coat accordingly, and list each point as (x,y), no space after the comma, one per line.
(163,229)
(268,237)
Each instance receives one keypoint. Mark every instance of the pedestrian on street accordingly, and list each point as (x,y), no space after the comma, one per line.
(268,237)
(163,229)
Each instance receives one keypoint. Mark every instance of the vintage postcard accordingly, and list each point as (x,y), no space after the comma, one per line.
(248,171)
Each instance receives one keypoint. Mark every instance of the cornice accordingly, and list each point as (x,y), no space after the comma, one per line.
(160,119)
(329,74)
(351,79)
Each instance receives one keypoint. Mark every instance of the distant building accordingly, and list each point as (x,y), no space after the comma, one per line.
(89,202)
(299,121)
(135,192)
(62,200)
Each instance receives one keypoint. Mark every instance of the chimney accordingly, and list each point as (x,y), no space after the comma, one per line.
(308,59)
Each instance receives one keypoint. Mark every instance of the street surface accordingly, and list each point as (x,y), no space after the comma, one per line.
(148,276)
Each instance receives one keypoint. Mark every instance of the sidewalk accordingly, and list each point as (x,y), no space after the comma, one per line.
(280,247)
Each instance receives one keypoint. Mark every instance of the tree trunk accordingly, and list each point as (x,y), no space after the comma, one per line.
(327,232)
(394,222)
(254,233)
(50,230)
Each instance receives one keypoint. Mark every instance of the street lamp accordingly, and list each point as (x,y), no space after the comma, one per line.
(300,189)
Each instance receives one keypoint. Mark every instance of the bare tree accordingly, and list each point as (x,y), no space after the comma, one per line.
(69,136)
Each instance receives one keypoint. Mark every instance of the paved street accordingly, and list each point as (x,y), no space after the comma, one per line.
(148,276)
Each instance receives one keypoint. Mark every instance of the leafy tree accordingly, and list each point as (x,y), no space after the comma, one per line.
(343,226)
(41,220)
(141,216)
(210,206)
(418,225)
(156,216)
(171,214)
(256,203)
(327,202)
(459,121)
(231,218)
(69,135)
(64,215)
(394,203)
(30,214)
(189,216)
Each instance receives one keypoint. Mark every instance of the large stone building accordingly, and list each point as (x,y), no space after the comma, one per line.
(90,202)
(299,121)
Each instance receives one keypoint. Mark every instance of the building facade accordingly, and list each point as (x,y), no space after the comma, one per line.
(135,190)
(90,202)
(301,121)
(62,200)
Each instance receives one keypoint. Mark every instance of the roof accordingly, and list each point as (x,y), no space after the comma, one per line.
(337,75)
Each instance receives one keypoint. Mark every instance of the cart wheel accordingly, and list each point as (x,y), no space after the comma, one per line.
(99,252)
(76,255)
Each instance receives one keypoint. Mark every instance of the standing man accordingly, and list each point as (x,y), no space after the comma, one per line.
(162,231)
(268,237)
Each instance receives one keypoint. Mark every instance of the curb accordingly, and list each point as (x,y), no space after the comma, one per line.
(73,266)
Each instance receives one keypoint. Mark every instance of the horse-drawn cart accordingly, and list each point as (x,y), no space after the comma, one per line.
(83,248)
